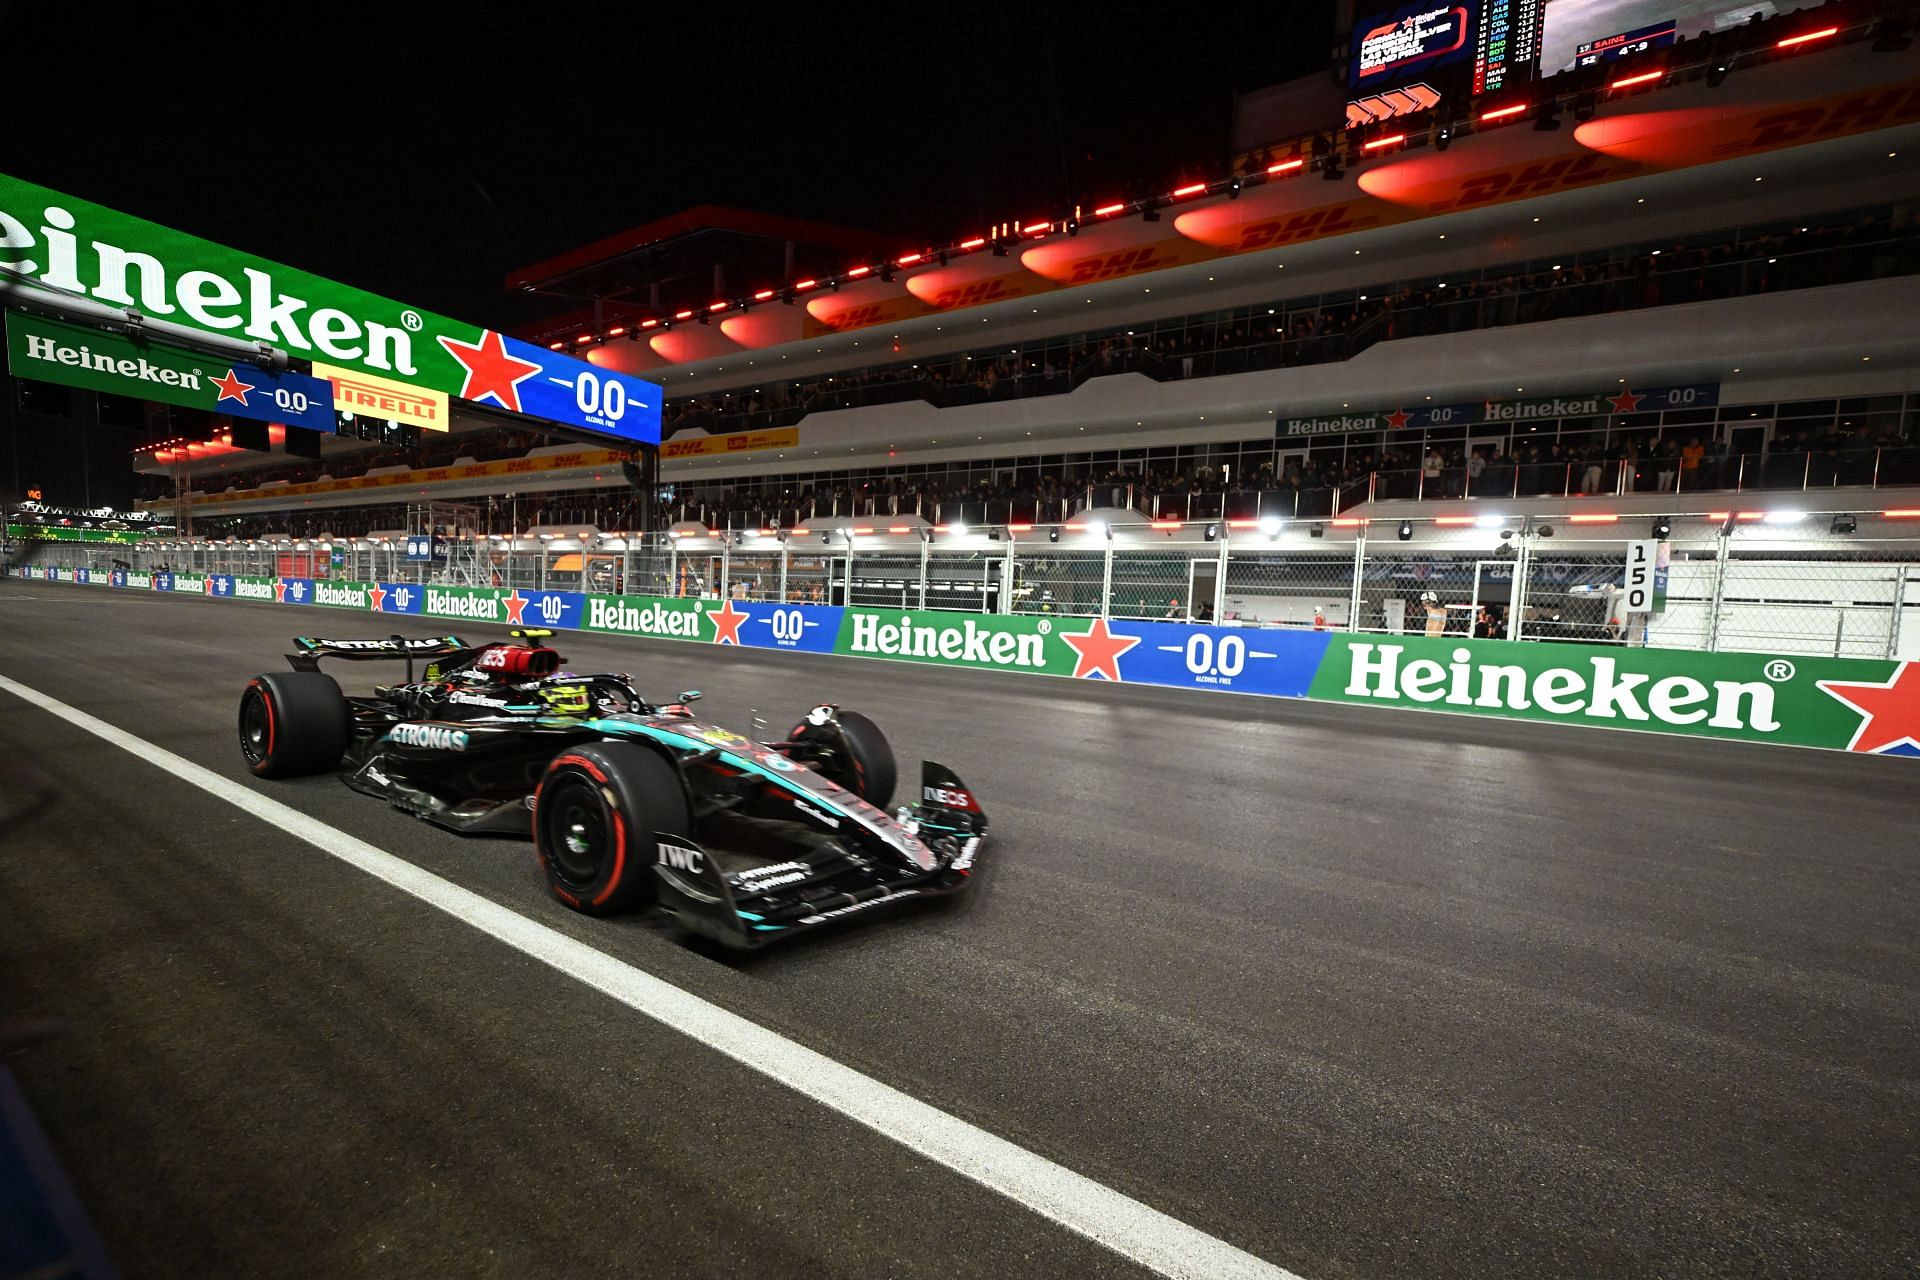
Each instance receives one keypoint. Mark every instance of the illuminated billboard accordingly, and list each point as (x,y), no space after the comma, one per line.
(1411,40)
(1585,32)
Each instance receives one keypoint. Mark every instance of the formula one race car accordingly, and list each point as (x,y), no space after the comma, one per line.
(629,804)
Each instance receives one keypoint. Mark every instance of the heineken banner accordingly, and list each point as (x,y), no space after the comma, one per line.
(1843,704)
(96,360)
(1598,404)
(74,247)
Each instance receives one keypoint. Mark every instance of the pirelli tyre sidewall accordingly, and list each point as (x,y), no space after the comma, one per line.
(595,816)
(293,723)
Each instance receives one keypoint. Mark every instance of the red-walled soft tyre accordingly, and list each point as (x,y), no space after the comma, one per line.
(293,723)
(594,819)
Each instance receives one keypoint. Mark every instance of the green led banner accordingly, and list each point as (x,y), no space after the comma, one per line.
(69,246)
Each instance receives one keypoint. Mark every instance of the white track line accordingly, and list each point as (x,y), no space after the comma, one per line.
(1124,1225)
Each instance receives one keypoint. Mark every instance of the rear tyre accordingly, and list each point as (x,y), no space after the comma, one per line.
(293,723)
(594,819)
(862,758)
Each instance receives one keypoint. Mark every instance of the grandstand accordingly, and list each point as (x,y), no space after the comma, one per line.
(1672,281)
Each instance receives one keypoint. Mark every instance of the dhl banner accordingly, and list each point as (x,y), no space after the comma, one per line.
(737,442)
(692,447)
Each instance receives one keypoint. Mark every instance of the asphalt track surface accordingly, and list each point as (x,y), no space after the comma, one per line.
(1362,992)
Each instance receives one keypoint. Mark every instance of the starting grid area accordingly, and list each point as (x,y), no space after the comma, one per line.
(1861,705)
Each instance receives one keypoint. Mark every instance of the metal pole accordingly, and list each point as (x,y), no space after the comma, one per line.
(1839,630)
(1719,592)
(784,553)
(1220,583)
(1899,607)
(926,549)
(1106,582)
(726,566)
(1522,571)
(1354,593)
(1006,579)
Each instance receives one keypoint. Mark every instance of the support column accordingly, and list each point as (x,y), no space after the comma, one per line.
(1106,582)
(1719,592)
(926,551)
(1355,594)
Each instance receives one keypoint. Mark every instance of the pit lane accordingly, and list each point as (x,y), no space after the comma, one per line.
(1361,992)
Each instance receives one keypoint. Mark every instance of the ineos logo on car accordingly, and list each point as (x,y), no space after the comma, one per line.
(947,799)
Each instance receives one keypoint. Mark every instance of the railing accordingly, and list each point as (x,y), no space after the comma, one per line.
(1837,585)
(1720,472)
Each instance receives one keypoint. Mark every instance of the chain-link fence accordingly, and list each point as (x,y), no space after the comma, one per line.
(1842,584)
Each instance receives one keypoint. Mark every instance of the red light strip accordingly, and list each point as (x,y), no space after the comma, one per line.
(802,530)
(857,272)
(1192,189)
(1038,226)
(555,346)
(1808,38)
(1903,513)
(716,306)
(1243,524)
(1387,141)
(1645,77)
(1350,522)
(974,243)
(1106,209)
(1451,520)
(683,315)
(899,528)
(1286,166)
(1502,113)
(763,295)
(908,260)
(805,284)
(1593,519)
(648,324)
(1019,528)
(616,331)
(1164,524)
(585,337)
(864,529)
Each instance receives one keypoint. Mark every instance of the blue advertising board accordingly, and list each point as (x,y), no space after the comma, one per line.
(1241,659)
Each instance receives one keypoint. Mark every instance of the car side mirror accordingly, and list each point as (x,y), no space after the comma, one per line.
(690,695)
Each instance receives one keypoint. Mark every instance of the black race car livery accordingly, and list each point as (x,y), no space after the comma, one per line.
(628,803)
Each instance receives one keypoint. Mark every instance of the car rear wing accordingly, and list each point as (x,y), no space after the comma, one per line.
(395,649)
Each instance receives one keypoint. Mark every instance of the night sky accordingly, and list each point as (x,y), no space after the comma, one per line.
(424,160)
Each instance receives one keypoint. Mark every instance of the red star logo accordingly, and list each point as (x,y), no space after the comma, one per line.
(726,624)
(516,605)
(280,590)
(231,388)
(1398,419)
(1892,709)
(1625,402)
(491,372)
(1099,650)
(377,598)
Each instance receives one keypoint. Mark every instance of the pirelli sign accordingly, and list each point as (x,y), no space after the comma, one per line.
(366,395)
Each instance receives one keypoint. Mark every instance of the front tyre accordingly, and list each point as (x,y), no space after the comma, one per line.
(855,753)
(293,723)
(594,818)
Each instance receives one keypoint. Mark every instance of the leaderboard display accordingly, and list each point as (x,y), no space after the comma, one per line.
(1507,44)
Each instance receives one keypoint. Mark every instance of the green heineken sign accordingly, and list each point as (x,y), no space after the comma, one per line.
(55,533)
(1748,696)
(72,247)
(95,360)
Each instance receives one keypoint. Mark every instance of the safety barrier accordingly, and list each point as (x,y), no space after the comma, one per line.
(1844,704)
